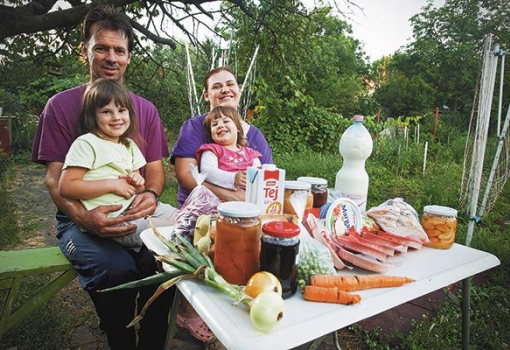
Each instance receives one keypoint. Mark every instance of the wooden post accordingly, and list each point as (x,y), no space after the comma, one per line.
(436,117)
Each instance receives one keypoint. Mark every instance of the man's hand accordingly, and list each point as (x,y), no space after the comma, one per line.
(144,204)
(97,222)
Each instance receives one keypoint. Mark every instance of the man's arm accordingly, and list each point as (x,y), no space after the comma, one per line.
(186,180)
(96,220)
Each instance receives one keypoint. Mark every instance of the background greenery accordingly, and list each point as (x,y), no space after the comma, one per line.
(311,76)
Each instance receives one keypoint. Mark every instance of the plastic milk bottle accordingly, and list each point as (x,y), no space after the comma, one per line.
(352,178)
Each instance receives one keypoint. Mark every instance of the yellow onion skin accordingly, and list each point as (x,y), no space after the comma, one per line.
(266,311)
(263,281)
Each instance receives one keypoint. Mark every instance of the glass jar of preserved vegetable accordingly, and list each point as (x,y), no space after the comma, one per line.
(440,224)
(319,189)
(279,253)
(237,246)
(290,188)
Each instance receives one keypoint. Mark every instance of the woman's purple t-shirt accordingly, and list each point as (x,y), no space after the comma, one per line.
(192,136)
(58,123)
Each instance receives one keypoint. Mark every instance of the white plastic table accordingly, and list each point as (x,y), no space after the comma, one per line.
(305,321)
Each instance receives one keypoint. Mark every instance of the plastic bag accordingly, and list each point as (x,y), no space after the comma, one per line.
(398,217)
(314,257)
(199,202)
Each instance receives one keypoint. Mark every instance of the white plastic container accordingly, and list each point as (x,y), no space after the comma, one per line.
(352,179)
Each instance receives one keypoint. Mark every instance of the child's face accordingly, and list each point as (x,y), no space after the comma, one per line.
(113,121)
(224,131)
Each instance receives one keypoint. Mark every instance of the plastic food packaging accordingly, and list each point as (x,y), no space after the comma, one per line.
(399,218)
(314,257)
(440,224)
(265,188)
(340,215)
(199,202)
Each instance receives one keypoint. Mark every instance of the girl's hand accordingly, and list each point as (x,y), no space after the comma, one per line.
(135,179)
(122,188)
(240,179)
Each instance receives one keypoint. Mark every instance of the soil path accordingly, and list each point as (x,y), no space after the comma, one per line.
(36,208)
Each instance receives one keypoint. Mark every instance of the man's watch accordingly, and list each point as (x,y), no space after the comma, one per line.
(154,193)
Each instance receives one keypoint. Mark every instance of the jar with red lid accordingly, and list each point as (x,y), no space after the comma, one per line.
(279,253)
(237,246)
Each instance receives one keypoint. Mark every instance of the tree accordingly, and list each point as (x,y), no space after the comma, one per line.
(308,75)
(447,50)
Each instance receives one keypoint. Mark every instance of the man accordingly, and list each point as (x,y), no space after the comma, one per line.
(101,262)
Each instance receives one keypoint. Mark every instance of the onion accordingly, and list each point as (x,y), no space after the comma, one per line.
(266,310)
(263,281)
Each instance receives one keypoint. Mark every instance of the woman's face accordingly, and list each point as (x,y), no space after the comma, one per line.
(222,90)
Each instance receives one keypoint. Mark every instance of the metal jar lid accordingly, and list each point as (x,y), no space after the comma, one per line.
(440,210)
(238,209)
(313,180)
(297,185)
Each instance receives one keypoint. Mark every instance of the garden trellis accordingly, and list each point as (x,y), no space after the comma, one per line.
(475,179)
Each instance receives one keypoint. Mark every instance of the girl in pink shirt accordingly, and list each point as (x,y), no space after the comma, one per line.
(225,161)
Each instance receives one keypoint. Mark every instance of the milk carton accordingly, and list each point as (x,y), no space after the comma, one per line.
(265,187)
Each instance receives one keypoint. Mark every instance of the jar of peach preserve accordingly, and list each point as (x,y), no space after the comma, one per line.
(440,224)
(237,247)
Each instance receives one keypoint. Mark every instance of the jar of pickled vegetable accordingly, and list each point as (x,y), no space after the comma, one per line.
(440,224)
(292,187)
(279,253)
(319,189)
(237,246)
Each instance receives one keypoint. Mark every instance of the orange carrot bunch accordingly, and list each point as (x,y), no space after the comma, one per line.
(350,283)
(335,289)
(330,295)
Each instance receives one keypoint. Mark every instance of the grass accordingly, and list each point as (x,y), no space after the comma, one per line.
(395,170)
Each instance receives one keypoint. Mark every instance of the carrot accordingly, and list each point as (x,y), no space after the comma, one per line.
(350,283)
(330,295)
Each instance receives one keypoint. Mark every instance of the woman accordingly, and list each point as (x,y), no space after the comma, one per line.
(221,89)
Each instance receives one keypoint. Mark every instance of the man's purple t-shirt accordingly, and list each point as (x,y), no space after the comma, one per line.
(58,124)
(192,136)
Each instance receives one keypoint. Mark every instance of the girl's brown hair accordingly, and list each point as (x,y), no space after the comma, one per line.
(229,112)
(100,93)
